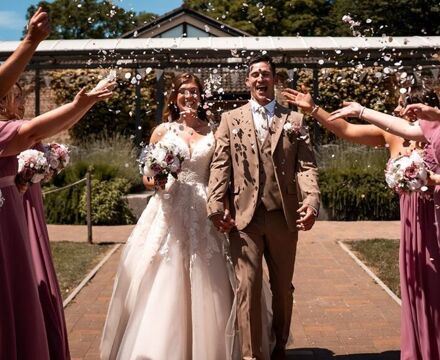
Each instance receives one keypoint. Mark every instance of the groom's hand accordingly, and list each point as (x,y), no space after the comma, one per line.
(307,218)
(223,221)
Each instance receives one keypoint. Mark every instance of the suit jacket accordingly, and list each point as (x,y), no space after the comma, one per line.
(235,165)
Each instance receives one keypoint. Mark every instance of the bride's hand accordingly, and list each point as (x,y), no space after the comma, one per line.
(159,183)
(350,109)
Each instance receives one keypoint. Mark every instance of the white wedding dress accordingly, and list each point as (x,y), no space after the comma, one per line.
(172,297)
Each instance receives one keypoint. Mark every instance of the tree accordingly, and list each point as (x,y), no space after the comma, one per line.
(390,17)
(324,17)
(269,17)
(87,19)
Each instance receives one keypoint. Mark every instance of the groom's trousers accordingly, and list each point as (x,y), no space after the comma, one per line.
(267,235)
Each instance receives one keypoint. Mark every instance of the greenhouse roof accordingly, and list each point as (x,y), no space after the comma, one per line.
(208,51)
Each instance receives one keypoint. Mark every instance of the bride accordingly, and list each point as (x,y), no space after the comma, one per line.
(172,296)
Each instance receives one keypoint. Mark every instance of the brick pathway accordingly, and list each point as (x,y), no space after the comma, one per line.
(339,312)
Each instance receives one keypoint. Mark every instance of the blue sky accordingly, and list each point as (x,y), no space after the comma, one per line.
(13,13)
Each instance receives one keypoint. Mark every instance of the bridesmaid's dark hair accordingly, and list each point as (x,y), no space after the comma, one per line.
(423,95)
(171,110)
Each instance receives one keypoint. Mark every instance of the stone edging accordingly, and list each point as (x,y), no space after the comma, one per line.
(370,273)
(89,276)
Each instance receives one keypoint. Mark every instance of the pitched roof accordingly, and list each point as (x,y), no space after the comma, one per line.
(181,15)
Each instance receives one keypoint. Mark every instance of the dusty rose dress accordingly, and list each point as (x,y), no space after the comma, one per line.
(420,271)
(48,289)
(22,329)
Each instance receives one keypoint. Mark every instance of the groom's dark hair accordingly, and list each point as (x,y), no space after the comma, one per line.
(261,58)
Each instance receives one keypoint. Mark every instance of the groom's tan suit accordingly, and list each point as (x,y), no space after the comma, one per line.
(265,181)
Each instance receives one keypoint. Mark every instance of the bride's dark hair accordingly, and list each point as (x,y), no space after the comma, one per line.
(171,111)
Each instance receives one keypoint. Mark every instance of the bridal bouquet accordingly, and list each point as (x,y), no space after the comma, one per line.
(407,173)
(32,167)
(159,160)
(57,156)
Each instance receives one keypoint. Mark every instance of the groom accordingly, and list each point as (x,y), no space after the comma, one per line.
(264,180)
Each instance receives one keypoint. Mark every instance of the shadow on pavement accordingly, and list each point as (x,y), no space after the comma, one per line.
(325,354)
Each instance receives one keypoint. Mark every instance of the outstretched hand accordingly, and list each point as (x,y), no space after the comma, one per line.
(84,98)
(422,111)
(307,218)
(350,109)
(38,26)
(301,99)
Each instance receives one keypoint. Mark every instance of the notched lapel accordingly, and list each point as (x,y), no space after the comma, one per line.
(279,118)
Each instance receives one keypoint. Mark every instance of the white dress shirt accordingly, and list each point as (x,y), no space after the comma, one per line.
(262,117)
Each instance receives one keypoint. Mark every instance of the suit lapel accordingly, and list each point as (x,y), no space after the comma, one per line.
(248,126)
(279,118)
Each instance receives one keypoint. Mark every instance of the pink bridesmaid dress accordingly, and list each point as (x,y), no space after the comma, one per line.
(22,327)
(48,288)
(420,263)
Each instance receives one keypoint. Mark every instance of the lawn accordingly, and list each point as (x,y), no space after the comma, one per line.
(73,261)
(382,257)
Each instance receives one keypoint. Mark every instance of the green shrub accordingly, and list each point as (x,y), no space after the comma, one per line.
(115,150)
(352,183)
(63,207)
(108,204)
(351,194)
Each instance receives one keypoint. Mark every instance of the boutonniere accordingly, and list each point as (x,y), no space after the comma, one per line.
(292,129)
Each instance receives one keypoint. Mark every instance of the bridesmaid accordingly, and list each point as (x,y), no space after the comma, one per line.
(12,107)
(420,261)
(419,275)
(22,321)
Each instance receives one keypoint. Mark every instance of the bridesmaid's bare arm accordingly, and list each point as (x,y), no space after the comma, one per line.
(364,134)
(11,69)
(52,122)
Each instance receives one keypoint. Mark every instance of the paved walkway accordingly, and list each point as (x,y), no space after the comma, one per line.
(339,312)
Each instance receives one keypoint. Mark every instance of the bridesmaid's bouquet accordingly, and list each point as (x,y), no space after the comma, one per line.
(407,173)
(57,156)
(160,160)
(32,167)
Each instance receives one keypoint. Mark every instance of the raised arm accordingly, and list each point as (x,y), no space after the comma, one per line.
(52,122)
(391,124)
(11,69)
(360,134)
(423,112)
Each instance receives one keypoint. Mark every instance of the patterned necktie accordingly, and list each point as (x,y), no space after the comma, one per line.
(264,124)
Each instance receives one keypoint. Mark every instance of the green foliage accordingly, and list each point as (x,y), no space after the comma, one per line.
(352,183)
(324,17)
(116,115)
(64,207)
(274,17)
(351,194)
(86,19)
(108,204)
(396,17)
(116,151)
(351,84)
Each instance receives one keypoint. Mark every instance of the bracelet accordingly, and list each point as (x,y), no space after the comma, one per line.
(361,113)
(314,110)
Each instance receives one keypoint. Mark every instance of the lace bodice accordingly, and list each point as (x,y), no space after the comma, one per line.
(195,167)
